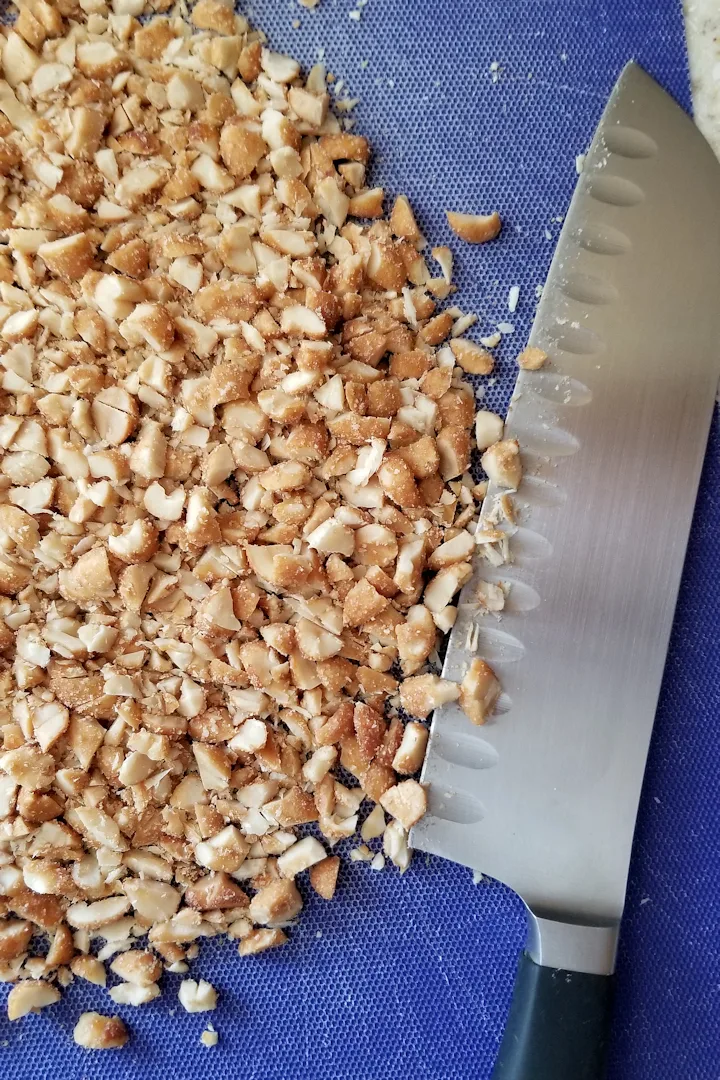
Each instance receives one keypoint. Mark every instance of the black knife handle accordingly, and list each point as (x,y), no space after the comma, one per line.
(558,1025)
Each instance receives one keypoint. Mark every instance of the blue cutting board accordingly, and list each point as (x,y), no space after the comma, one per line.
(472,106)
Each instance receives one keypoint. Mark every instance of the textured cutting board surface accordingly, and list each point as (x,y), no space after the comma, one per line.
(472,105)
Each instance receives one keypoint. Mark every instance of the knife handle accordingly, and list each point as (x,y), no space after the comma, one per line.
(558,1025)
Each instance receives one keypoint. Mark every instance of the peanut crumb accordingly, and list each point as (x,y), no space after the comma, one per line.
(209,1037)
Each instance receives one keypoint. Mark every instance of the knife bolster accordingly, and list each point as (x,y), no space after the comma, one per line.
(572,946)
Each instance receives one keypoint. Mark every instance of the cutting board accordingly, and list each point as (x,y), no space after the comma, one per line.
(474,105)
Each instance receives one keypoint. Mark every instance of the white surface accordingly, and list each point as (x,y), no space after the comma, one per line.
(702,21)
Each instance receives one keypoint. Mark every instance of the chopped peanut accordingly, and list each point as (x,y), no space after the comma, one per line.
(423,693)
(259,940)
(323,876)
(407,802)
(415,638)
(411,752)
(94,1031)
(501,462)
(30,996)
(489,429)
(276,904)
(532,359)
(402,220)
(138,967)
(479,692)
(89,968)
(197,996)
(475,228)
(235,447)
(471,357)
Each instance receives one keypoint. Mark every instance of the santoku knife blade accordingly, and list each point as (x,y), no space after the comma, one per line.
(613,432)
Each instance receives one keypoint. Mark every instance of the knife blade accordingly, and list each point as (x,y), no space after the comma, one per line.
(613,433)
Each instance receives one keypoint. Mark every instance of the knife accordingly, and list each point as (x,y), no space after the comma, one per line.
(613,432)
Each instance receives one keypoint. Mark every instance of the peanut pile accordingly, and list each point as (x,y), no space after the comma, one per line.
(235,503)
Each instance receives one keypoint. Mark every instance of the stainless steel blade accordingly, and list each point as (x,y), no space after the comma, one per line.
(544,797)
